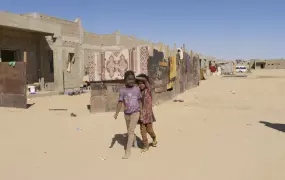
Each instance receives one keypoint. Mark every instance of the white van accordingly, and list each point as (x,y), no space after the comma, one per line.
(241,69)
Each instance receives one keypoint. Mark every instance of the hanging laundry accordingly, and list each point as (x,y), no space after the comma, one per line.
(180,53)
(69,67)
(172,67)
(172,72)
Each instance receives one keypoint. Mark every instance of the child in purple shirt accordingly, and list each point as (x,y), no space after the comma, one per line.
(130,96)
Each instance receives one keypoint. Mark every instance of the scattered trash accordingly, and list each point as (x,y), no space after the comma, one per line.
(12,63)
(57,109)
(233,92)
(73,115)
(178,100)
(32,89)
(79,129)
(102,158)
(73,93)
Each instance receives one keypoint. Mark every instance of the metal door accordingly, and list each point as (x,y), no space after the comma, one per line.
(13,85)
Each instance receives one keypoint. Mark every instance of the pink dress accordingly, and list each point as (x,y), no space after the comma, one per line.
(147,112)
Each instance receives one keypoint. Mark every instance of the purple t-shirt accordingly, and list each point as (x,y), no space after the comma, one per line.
(130,97)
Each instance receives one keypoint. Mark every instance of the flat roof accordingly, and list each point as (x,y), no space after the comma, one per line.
(28,23)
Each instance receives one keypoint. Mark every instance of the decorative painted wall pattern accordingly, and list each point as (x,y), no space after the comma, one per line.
(144,56)
(115,65)
(93,65)
(139,57)
(68,44)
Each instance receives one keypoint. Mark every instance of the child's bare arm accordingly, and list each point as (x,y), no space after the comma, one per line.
(140,110)
(145,81)
(119,107)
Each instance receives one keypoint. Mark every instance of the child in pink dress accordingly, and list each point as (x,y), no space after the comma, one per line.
(147,117)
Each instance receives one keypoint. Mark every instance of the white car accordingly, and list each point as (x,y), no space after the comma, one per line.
(241,69)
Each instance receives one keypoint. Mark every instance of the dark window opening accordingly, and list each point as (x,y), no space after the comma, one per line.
(71,60)
(9,55)
(51,65)
(71,57)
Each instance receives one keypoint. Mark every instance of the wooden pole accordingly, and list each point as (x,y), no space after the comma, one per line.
(25,56)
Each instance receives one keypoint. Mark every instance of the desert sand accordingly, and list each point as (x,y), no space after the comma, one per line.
(215,134)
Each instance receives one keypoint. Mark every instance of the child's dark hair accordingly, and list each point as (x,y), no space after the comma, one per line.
(144,76)
(128,73)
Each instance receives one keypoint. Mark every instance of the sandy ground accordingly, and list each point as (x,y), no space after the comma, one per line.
(215,134)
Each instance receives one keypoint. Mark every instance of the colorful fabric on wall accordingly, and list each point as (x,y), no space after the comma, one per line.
(112,65)
(93,66)
(115,64)
(170,85)
(159,75)
(172,73)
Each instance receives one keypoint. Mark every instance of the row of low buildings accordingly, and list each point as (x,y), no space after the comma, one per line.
(267,64)
(54,54)
(56,51)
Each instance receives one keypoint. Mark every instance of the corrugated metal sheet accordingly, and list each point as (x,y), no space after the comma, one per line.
(13,85)
(228,68)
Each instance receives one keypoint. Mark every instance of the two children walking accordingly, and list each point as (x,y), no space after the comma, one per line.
(137,102)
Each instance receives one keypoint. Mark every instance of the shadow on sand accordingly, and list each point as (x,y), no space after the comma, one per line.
(30,105)
(122,140)
(276,126)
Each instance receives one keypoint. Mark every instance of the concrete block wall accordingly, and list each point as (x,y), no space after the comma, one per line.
(22,41)
(104,95)
(69,42)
